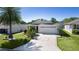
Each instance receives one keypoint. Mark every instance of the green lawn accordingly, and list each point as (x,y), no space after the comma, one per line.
(68,43)
(2,37)
(17,36)
(20,40)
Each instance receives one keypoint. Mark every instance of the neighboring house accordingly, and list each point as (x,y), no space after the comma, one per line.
(45,26)
(15,28)
(72,25)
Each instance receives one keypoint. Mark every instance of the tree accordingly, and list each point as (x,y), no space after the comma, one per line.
(23,22)
(53,20)
(9,16)
(66,20)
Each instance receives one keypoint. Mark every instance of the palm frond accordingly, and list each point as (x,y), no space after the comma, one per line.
(13,12)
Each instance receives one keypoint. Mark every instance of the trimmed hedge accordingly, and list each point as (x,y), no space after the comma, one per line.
(14,43)
(63,32)
(75,31)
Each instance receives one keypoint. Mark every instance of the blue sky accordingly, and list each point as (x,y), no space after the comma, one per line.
(33,13)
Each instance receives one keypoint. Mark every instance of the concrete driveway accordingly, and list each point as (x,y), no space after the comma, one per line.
(44,42)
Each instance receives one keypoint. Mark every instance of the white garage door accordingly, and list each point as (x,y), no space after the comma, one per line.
(47,29)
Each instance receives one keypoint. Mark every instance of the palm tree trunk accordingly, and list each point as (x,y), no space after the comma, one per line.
(10,27)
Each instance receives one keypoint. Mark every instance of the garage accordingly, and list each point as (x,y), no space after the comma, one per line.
(47,29)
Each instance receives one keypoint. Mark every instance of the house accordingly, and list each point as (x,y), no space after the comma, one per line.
(45,26)
(41,25)
(15,28)
(72,25)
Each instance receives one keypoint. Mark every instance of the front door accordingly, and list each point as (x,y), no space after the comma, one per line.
(37,29)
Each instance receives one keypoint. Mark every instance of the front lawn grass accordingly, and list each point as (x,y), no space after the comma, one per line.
(19,35)
(68,43)
(20,39)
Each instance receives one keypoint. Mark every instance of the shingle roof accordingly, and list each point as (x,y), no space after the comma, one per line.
(40,21)
(74,22)
(56,24)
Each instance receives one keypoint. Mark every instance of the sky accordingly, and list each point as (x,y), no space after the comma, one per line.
(32,13)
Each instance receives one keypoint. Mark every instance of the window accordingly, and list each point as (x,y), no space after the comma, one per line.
(74,26)
(77,26)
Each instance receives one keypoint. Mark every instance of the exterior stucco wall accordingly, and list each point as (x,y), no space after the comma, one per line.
(15,28)
(69,28)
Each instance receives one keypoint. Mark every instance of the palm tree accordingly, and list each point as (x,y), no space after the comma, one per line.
(9,16)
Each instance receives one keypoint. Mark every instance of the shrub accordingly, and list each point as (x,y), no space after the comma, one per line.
(14,43)
(63,32)
(31,32)
(25,31)
(75,31)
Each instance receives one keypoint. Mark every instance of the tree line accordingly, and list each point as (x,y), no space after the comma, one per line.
(54,20)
